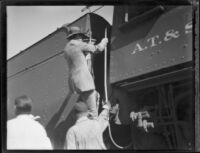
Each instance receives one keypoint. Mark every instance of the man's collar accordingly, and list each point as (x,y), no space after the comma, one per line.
(28,116)
(81,119)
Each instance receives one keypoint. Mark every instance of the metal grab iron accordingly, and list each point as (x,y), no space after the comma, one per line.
(142,123)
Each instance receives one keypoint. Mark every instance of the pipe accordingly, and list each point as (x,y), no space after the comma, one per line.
(106,94)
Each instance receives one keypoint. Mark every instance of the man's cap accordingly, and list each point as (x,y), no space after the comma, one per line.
(72,31)
(80,107)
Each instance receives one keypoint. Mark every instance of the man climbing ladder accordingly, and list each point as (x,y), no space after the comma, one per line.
(80,78)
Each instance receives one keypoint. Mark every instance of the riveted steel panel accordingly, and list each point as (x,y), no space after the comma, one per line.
(51,45)
(154,44)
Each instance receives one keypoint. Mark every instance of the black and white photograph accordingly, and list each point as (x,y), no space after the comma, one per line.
(100,76)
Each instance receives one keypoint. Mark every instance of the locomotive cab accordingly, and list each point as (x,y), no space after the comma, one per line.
(151,64)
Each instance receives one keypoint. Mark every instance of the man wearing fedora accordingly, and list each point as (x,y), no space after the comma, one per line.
(80,77)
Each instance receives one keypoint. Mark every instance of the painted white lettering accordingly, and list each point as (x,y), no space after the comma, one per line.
(138,48)
(152,40)
(171,34)
(155,40)
(188,28)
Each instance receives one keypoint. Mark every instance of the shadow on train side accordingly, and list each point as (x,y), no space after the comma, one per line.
(57,131)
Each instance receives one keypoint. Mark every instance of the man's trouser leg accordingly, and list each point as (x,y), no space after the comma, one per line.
(90,98)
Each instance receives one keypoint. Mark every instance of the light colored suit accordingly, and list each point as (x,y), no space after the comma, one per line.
(80,79)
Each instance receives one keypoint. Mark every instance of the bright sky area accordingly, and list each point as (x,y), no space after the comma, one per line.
(26,25)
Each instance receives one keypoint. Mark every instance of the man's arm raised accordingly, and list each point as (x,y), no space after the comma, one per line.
(87,47)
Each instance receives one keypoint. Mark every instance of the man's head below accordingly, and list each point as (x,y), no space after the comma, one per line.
(23,105)
(80,109)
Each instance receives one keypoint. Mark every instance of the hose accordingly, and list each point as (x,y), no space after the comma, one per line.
(106,95)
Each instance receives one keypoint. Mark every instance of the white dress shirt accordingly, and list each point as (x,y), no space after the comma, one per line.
(23,132)
(87,133)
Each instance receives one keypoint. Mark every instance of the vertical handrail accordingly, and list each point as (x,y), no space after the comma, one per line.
(106,93)
(105,70)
